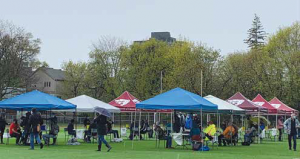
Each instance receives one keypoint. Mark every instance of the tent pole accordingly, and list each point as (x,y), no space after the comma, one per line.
(171,121)
(201,119)
(140,124)
(276,124)
(218,122)
(207,118)
(258,124)
(201,126)
(120,120)
(133,131)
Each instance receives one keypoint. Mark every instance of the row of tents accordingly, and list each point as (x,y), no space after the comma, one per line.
(175,99)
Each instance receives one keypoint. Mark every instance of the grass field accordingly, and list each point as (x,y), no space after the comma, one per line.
(145,149)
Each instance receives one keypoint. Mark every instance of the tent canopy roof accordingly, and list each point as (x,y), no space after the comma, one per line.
(126,102)
(88,104)
(36,99)
(241,101)
(177,99)
(259,100)
(222,104)
(275,102)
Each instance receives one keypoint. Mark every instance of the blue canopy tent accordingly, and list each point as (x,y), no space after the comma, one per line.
(178,99)
(35,99)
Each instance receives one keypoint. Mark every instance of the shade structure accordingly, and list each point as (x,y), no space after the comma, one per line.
(177,99)
(224,106)
(241,101)
(259,100)
(88,104)
(275,102)
(126,102)
(36,99)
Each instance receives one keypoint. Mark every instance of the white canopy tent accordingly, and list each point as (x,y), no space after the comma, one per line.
(87,104)
(223,105)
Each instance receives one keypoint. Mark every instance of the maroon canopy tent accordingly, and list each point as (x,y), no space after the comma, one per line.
(126,102)
(242,102)
(275,102)
(259,100)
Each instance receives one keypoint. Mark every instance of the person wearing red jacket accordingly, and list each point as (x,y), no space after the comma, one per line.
(15,131)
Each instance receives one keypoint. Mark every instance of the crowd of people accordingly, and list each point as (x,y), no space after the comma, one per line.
(28,132)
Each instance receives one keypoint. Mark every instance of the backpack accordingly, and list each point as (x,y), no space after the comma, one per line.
(204,148)
(197,146)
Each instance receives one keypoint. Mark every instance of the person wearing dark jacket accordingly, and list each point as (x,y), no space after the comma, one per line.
(71,130)
(34,122)
(3,124)
(24,124)
(102,122)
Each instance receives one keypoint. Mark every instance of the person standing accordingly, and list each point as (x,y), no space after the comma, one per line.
(102,122)
(280,127)
(34,122)
(291,124)
(26,128)
(3,124)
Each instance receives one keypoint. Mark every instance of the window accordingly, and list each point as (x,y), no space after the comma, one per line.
(47,84)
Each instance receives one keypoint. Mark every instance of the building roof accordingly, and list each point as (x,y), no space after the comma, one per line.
(55,74)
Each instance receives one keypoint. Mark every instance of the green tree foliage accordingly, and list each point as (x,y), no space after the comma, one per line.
(142,65)
(75,73)
(272,70)
(18,50)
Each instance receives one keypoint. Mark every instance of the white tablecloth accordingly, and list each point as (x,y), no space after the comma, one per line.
(80,133)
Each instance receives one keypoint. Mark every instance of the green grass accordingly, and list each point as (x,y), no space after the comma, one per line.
(146,149)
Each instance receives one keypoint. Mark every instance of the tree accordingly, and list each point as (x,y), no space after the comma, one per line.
(18,50)
(256,34)
(75,75)
(105,81)
(284,49)
(142,65)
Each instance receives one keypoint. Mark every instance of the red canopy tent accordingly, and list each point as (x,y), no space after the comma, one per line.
(242,102)
(275,102)
(126,102)
(259,100)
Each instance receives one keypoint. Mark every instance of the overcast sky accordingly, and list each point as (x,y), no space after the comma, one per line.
(67,28)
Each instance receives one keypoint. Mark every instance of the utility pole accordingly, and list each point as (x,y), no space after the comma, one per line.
(161,77)
(201,81)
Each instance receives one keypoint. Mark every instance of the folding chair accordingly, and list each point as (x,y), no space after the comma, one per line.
(135,132)
(67,135)
(158,139)
(214,141)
